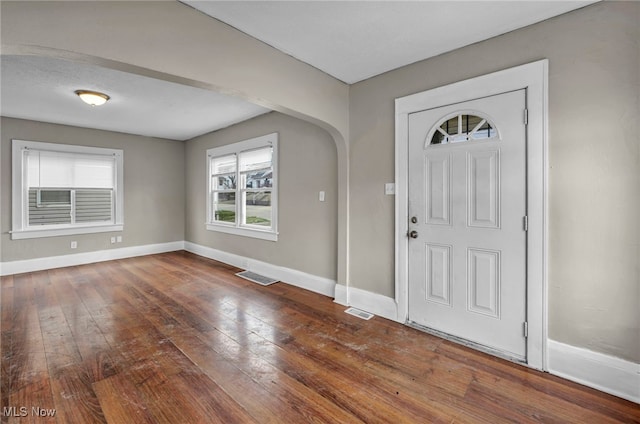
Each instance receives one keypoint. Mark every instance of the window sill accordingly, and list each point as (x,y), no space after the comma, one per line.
(246,232)
(54,232)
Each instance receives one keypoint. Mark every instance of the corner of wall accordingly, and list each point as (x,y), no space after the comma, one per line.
(374,303)
(340,296)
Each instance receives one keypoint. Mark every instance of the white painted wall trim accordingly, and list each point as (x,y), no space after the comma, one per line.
(602,372)
(296,278)
(341,295)
(374,303)
(39,264)
(534,78)
(290,276)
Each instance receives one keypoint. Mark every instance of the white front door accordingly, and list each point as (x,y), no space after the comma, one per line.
(467,208)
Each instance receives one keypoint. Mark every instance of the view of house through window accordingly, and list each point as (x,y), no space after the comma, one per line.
(223,188)
(242,189)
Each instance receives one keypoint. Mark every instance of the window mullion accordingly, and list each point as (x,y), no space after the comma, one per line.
(73,206)
(239,207)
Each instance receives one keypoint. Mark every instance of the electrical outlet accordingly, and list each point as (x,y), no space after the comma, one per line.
(119,239)
(74,244)
(113,240)
(321,196)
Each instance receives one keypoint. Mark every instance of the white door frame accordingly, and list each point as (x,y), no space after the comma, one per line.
(534,78)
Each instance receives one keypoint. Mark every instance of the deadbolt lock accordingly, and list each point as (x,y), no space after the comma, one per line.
(414,220)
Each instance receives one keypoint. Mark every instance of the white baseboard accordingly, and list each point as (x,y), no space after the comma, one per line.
(602,372)
(374,303)
(290,276)
(341,295)
(39,264)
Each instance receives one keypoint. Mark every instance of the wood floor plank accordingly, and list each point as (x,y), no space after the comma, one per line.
(35,395)
(75,398)
(261,404)
(29,380)
(6,331)
(60,345)
(177,338)
(121,402)
(216,404)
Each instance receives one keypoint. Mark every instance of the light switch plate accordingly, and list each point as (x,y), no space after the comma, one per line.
(389,188)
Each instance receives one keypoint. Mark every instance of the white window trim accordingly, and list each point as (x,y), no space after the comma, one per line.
(20,229)
(235,148)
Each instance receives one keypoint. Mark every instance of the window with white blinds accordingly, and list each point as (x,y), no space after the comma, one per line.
(64,189)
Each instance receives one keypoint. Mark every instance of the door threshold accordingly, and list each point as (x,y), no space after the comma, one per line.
(468,343)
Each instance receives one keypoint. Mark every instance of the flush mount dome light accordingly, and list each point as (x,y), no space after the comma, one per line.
(92,98)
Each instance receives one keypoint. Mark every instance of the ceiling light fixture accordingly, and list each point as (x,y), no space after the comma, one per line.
(92,98)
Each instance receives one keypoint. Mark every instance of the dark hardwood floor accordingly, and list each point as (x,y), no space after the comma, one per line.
(176,338)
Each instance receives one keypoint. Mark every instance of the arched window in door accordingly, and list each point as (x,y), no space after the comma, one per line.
(461,127)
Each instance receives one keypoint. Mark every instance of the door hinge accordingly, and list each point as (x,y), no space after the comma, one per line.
(525,328)
(526,116)
(525,223)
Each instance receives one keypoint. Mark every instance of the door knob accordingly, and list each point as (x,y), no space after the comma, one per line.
(413,234)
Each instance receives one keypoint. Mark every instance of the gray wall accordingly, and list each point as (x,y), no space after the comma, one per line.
(594,175)
(154,200)
(307,164)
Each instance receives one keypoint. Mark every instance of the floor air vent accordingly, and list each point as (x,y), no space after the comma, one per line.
(358,313)
(256,278)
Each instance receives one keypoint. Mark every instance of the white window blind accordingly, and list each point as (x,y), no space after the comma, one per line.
(69,170)
(256,159)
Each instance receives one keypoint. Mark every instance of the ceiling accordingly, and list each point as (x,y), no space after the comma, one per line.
(42,89)
(355,40)
(350,40)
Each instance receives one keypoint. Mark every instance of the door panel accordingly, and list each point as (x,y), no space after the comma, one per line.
(439,274)
(483,171)
(483,282)
(438,189)
(467,266)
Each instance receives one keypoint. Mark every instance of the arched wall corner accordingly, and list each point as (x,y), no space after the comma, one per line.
(342,152)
